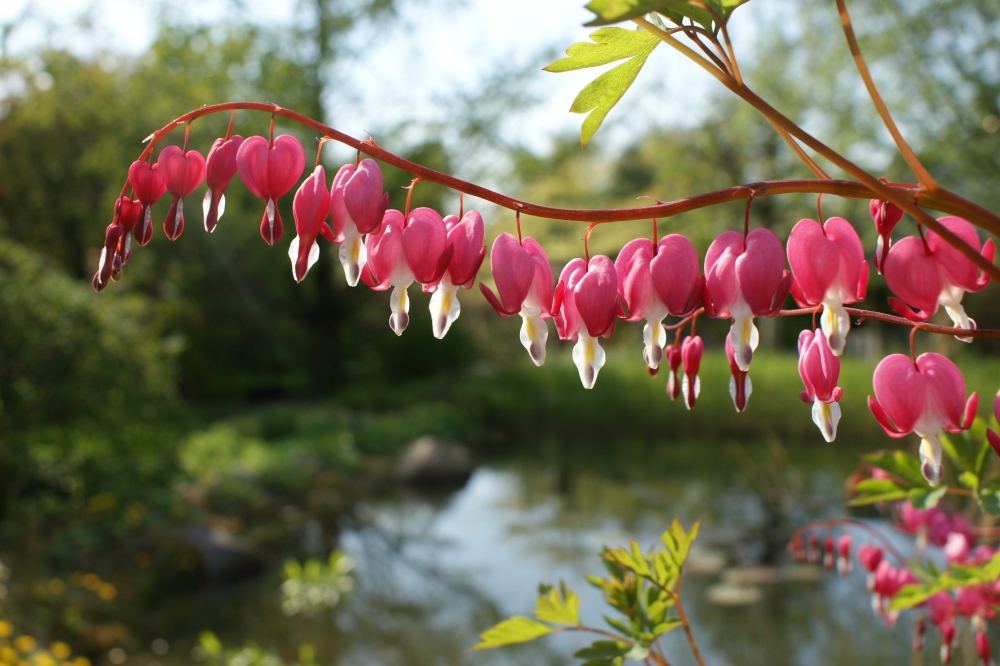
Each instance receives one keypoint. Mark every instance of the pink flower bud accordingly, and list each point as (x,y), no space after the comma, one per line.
(674,360)
(956,550)
(220,167)
(148,185)
(844,554)
(921,397)
(927,274)
(309,208)
(656,281)
(869,556)
(740,386)
(523,278)
(819,369)
(182,172)
(269,171)
(465,236)
(885,215)
(829,266)
(745,278)
(357,207)
(691,351)
(585,305)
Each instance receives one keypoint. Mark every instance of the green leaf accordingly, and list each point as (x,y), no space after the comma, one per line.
(989,498)
(678,542)
(518,629)
(923,499)
(614,11)
(558,608)
(899,464)
(874,499)
(910,596)
(210,643)
(618,625)
(667,625)
(601,94)
(603,650)
(876,487)
(969,480)
(957,453)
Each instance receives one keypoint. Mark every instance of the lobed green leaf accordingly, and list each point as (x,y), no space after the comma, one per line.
(518,629)
(924,498)
(603,650)
(599,96)
(558,608)
(899,464)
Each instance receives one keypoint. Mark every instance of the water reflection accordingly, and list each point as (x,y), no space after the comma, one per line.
(432,572)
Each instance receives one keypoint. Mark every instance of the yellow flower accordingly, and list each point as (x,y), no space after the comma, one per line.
(6,629)
(60,650)
(81,661)
(24,643)
(107,591)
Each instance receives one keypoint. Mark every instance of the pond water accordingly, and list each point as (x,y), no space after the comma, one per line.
(433,571)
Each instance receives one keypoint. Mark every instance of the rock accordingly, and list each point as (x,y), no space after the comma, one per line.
(429,460)
(759,575)
(704,561)
(734,595)
(223,556)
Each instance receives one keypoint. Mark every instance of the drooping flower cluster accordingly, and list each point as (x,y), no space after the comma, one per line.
(887,574)
(743,276)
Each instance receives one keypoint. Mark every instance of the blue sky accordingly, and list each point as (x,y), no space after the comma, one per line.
(452,45)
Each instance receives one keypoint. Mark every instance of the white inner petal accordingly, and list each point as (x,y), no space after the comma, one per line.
(534,334)
(836,325)
(826,416)
(206,203)
(353,255)
(444,308)
(399,303)
(655,338)
(689,399)
(930,457)
(744,337)
(589,358)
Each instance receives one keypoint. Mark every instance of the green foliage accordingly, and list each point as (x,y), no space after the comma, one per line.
(315,586)
(211,652)
(955,576)
(518,629)
(601,94)
(614,11)
(641,587)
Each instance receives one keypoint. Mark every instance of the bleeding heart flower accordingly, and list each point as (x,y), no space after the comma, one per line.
(926,275)
(992,437)
(885,215)
(585,305)
(387,267)
(182,172)
(129,212)
(921,397)
(425,245)
(466,237)
(740,386)
(829,267)
(148,185)
(819,369)
(220,167)
(745,279)
(844,554)
(401,252)
(673,356)
(523,278)
(691,351)
(269,171)
(112,236)
(310,208)
(657,281)
(358,206)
